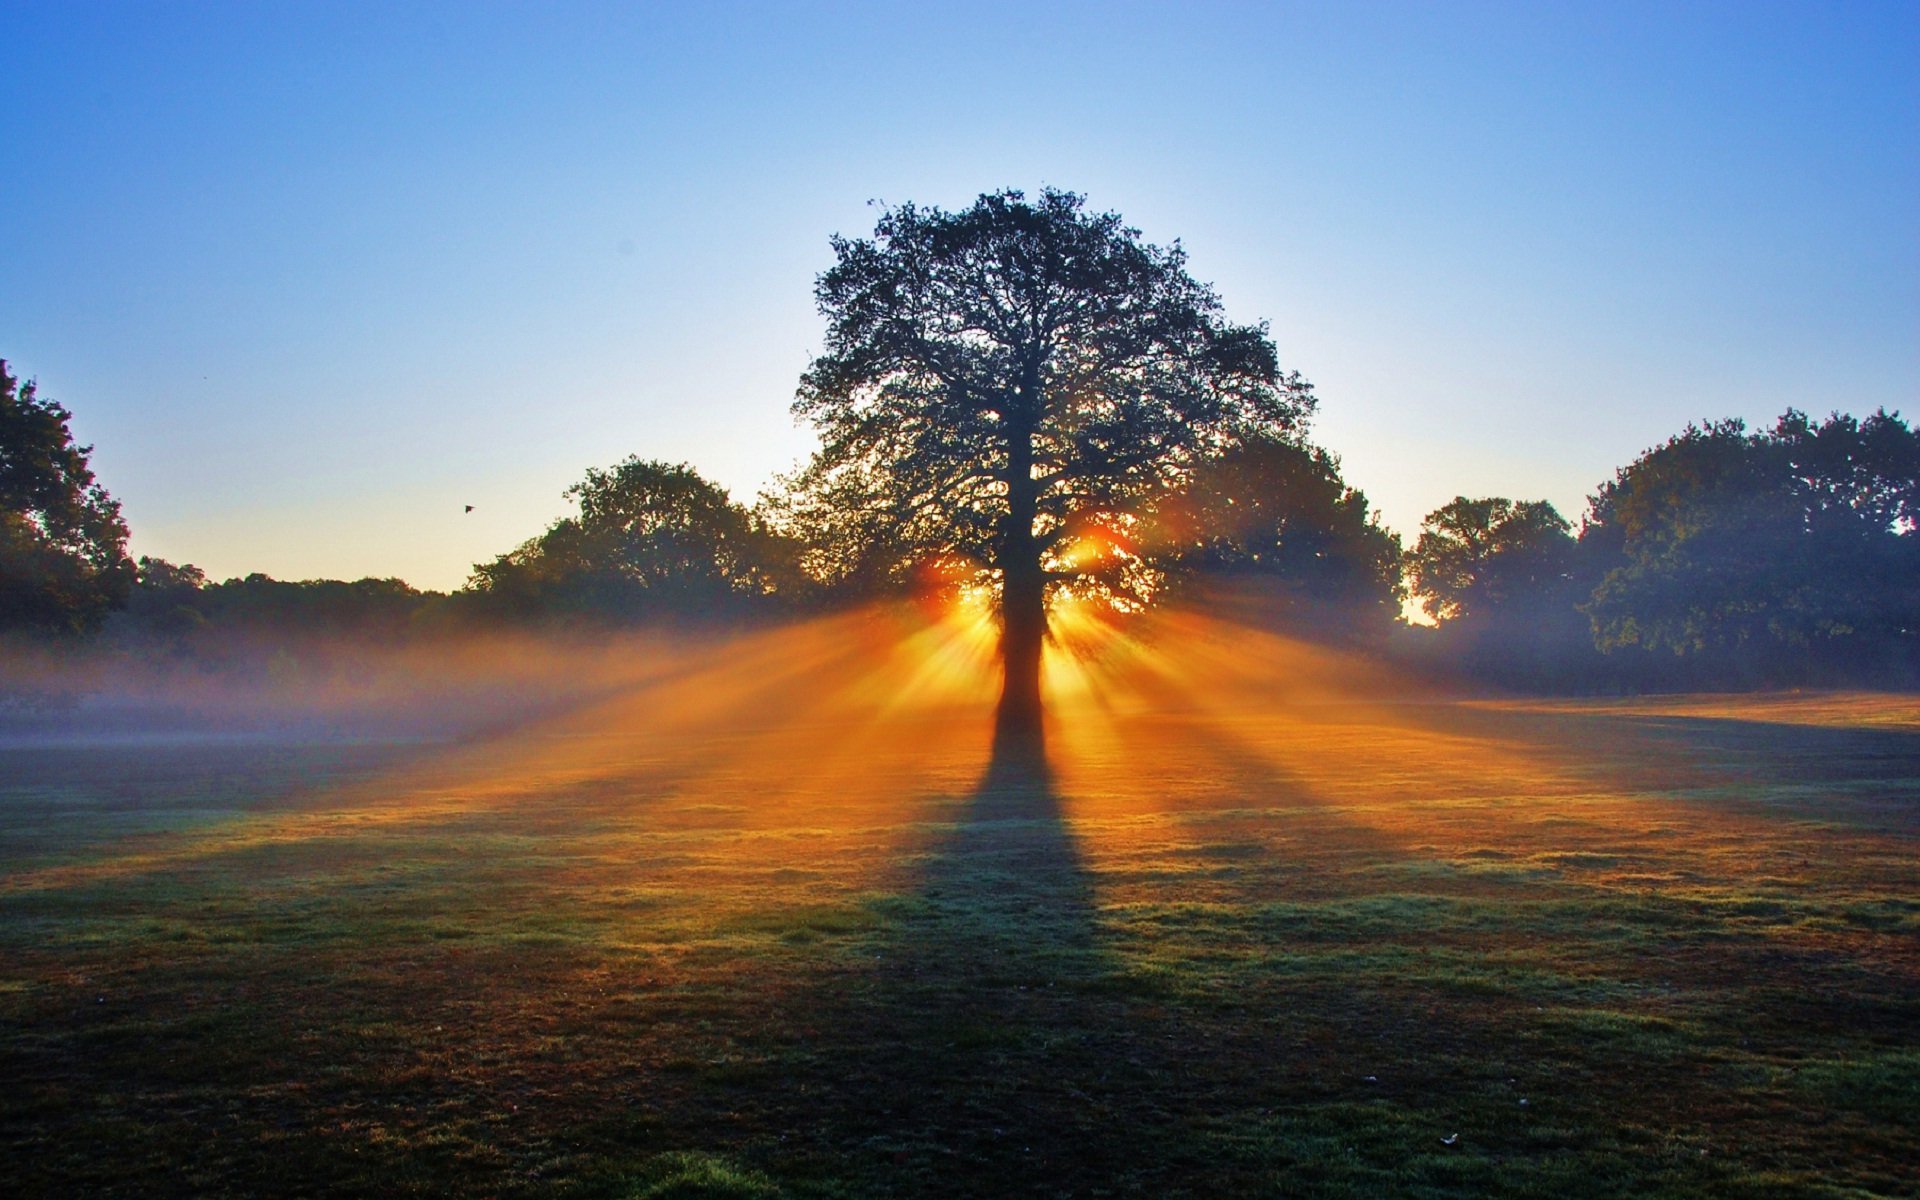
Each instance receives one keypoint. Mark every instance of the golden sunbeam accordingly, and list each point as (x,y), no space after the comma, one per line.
(791,868)
(846,739)
(839,707)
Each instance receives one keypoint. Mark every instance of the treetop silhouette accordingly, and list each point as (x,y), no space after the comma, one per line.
(652,538)
(1475,556)
(1801,535)
(1006,390)
(63,544)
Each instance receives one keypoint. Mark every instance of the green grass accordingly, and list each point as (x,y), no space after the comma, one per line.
(1426,951)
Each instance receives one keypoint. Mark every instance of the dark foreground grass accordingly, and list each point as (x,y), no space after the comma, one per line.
(1311,947)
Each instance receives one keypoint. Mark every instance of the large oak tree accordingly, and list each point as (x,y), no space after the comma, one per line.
(1001,381)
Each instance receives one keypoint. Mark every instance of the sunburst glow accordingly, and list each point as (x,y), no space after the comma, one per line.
(776,860)
(816,739)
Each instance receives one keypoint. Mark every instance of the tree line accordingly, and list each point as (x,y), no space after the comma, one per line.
(1723,557)
(1025,400)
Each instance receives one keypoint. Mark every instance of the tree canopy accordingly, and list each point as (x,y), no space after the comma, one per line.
(1277,514)
(1477,556)
(63,557)
(1802,535)
(651,539)
(1006,389)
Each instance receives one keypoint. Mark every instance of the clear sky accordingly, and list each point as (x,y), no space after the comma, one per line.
(313,277)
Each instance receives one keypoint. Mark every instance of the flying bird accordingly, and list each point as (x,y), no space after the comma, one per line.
(469,508)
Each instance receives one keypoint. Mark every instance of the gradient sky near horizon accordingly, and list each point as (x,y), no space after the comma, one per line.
(313,277)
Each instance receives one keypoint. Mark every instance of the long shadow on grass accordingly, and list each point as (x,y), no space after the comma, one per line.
(999,1042)
(1003,1035)
(990,1044)
(970,1041)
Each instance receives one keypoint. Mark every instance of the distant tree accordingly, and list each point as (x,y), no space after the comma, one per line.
(651,538)
(1278,514)
(159,575)
(1503,580)
(165,605)
(1774,553)
(378,608)
(1003,389)
(1475,557)
(63,558)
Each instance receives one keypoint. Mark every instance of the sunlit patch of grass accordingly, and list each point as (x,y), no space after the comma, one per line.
(808,923)
(1612,1031)
(1888,914)
(1882,1084)
(1827,710)
(689,1175)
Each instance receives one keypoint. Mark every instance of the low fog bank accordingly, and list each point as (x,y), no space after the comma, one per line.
(416,681)
(437,687)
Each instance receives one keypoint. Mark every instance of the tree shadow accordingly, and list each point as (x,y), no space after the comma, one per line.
(1024,1026)
(1000,1040)
(986,1043)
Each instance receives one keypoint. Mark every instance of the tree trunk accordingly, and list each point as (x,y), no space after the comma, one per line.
(1023,635)
(1023,584)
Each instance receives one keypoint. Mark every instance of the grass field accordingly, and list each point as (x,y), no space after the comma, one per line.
(1267,922)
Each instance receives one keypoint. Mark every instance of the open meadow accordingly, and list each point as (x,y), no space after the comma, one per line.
(776,920)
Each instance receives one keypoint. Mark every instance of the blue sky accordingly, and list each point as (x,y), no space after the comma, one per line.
(315,277)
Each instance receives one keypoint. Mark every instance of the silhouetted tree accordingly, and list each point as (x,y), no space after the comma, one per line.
(159,576)
(1001,389)
(63,558)
(166,606)
(651,538)
(312,608)
(1278,515)
(177,607)
(1501,577)
(1768,555)
(1476,556)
